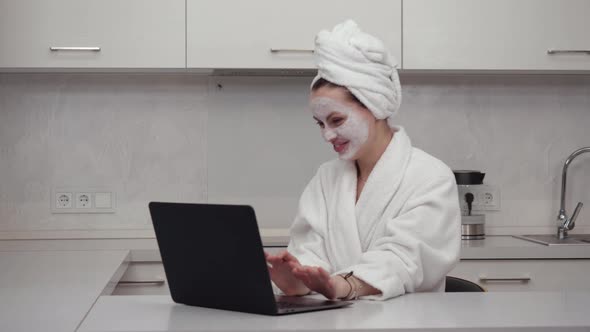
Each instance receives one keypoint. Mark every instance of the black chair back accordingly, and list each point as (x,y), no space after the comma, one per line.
(454,284)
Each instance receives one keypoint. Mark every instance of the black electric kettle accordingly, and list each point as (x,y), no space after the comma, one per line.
(468,177)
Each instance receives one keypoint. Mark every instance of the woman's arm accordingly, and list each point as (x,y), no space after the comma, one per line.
(345,287)
(364,289)
(308,229)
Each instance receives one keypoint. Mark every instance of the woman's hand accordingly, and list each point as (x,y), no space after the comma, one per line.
(319,280)
(281,273)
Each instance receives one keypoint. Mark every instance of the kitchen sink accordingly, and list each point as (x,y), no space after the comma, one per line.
(553,240)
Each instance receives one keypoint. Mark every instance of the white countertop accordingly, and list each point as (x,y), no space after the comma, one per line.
(416,312)
(50,285)
(493,247)
(508,247)
(54,290)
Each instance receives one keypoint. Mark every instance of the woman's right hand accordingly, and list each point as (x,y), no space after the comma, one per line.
(280,270)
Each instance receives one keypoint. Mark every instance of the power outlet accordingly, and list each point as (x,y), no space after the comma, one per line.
(487,198)
(63,200)
(83,200)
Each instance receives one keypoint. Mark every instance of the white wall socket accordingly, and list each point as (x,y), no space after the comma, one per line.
(485,197)
(82,200)
(63,200)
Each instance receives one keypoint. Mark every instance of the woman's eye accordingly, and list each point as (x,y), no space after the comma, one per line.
(320,124)
(337,121)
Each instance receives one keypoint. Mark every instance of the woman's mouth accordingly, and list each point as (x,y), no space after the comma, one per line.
(340,147)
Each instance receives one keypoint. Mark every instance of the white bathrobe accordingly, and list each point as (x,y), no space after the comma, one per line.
(403,235)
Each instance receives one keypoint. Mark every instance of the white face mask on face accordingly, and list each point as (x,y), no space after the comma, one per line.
(348,136)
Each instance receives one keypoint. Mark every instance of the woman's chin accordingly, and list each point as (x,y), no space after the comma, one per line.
(347,155)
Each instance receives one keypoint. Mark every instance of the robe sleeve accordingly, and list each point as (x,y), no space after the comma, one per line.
(307,231)
(418,247)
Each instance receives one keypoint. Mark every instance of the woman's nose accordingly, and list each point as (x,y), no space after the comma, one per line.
(329,134)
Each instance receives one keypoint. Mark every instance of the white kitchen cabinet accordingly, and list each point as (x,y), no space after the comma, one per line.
(149,278)
(526,275)
(54,290)
(241,34)
(496,35)
(129,33)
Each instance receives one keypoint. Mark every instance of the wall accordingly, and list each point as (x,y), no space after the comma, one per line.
(179,137)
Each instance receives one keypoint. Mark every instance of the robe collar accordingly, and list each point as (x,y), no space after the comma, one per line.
(352,224)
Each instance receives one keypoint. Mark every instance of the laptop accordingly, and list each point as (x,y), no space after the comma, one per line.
(213,257)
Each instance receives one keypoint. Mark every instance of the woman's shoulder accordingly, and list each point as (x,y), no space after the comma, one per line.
(426,166)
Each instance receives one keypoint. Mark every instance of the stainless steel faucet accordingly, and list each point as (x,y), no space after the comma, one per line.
(566,223)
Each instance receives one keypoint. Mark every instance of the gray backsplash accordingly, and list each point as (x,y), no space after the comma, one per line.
(180,137)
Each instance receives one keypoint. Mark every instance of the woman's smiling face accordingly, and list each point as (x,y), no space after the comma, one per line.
(344,122)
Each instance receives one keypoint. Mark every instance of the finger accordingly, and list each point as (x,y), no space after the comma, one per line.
(298,272)
(271,271)
(282,254)
(324,273)
(291,258)
(294,265)
(298,269)
(313,271)
(274,260)
(303,276)
(306,281)
(322,276)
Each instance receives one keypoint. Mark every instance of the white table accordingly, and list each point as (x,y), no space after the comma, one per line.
(54,290)
(555,311)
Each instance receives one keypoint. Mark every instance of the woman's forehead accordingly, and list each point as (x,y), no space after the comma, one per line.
(326,106)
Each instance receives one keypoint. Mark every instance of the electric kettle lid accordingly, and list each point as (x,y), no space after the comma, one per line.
(468,176)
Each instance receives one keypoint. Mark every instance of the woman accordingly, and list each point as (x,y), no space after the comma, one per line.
(383,219)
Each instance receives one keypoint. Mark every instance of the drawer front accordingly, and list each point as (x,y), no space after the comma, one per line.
(526,275)
(143,279)
(149,278)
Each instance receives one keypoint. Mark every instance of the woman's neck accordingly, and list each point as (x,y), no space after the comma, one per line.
(367,162)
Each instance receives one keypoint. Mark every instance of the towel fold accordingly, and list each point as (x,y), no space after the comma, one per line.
(360,62)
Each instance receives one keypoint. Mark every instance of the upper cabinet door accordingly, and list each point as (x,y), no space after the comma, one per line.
(497,34)
(279,33)
(92,34)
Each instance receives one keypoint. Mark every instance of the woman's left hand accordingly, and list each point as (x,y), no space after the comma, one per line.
(319,280)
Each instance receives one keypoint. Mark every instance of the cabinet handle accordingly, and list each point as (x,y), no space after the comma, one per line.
(568,51)
(522,279)
(142,282)
(290,50)
(60,48)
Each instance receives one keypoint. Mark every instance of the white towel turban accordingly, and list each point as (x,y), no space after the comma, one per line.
(360,62)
